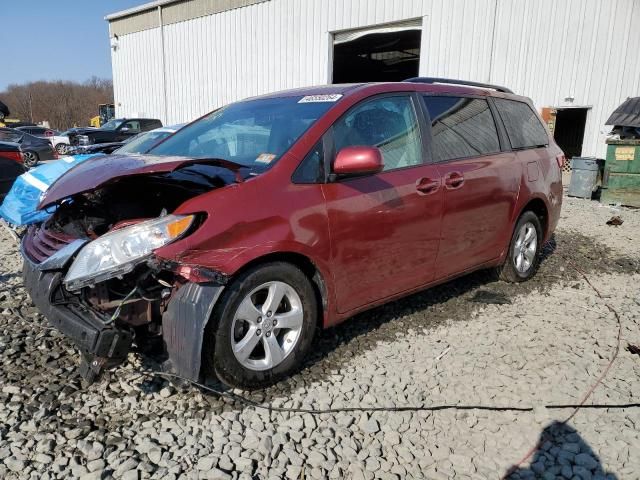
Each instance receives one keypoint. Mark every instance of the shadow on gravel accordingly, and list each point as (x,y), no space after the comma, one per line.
(455,300)
(5,277)
(562,453)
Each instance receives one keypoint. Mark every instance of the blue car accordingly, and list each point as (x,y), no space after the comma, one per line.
(20,206)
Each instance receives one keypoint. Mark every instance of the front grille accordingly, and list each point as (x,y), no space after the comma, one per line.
(40,243)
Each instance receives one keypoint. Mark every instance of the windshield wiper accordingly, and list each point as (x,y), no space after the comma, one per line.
(224,163)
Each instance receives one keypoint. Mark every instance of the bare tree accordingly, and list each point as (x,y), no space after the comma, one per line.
(63,104)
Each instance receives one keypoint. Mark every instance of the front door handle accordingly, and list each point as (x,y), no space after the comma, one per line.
(427,186)
(453,180)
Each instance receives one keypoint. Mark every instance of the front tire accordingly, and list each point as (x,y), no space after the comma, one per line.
(523,258)
(262,327)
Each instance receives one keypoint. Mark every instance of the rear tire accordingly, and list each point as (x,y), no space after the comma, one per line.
(62,148)
(523,257)
(247,344)
(30,158)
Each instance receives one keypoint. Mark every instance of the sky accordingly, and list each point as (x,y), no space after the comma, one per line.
(56,39)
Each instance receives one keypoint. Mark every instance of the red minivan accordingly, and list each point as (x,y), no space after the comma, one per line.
(234,239)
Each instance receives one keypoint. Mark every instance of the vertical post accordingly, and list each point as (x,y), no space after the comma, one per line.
(162,65)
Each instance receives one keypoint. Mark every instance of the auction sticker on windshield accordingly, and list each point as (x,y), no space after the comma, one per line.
(333,97)
(265,158)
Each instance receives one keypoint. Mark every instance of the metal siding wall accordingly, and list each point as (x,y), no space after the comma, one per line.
(217,59)
(544,49)
(552,50)
(137,75)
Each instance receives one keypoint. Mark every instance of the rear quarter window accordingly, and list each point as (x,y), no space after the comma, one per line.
(523,126)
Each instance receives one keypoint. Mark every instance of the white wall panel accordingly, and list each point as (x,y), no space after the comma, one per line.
(137,75)
(546,49)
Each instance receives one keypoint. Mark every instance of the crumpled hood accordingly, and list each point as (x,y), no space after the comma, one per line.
(101,170)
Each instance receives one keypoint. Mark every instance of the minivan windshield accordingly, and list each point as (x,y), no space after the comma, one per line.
(253,133)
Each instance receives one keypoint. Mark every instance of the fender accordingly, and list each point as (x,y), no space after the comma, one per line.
(183,326)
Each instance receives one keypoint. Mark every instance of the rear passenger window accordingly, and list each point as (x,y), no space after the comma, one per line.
(389,123)
(461,127)
(522,124)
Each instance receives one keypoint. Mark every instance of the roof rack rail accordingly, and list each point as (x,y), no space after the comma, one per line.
(453,81)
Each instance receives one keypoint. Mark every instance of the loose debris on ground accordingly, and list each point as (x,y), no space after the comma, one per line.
(473,340)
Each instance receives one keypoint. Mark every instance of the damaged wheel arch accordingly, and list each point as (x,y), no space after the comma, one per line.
(192,309)
(184,323)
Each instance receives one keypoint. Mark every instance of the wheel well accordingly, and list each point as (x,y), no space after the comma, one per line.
(538,207)
(307,267)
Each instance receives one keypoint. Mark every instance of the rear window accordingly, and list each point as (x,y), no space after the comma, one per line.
(522,124)
(461,127)
(14,137)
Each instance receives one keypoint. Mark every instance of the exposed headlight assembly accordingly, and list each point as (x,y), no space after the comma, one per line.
(83,140)
(117,253)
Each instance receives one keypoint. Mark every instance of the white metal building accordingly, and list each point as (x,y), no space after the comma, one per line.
(178,59)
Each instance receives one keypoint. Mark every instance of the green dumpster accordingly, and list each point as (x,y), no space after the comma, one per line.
(621,182)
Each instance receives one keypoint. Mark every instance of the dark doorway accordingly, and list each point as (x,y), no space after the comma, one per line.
(569,130)
(385,54)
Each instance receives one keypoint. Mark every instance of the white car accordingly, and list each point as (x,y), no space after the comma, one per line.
(59,141)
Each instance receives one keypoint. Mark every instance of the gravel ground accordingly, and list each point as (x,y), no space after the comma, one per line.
(473,341)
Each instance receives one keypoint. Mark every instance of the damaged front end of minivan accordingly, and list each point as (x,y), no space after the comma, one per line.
(92,271)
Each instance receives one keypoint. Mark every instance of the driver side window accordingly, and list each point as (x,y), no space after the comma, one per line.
(389,123)
(132,125)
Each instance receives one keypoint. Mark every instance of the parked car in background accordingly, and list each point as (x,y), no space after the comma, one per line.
(115,130)
(11,166)
(4,111)
(106,148)
(20,206)
(34,149)
(235,249)
(138,144)
(59,140)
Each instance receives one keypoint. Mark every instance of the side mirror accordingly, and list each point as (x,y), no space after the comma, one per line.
(358,160)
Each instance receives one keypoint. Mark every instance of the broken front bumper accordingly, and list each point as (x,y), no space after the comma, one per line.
(101,342)
(105,343)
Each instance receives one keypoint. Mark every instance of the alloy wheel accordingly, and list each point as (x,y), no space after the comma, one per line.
(267,325)
(525,248)
(30,159)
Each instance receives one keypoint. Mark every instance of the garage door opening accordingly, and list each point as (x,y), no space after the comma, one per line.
(389,53)
(569,130)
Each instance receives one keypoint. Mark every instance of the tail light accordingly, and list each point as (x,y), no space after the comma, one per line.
(55,153)
(15,156)
(561,159)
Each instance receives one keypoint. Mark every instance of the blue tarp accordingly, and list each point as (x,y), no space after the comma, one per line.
(20,206)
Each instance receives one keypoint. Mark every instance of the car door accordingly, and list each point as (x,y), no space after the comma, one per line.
(384,227)
(9,171)
(480,182)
